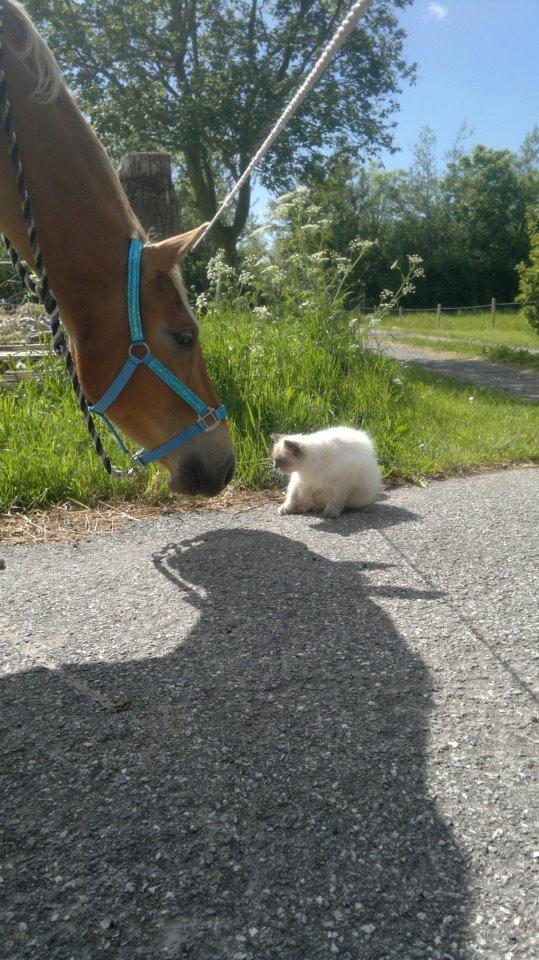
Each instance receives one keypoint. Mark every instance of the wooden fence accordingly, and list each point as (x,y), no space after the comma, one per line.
(439,309)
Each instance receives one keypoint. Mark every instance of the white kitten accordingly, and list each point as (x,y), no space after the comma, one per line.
(330,470)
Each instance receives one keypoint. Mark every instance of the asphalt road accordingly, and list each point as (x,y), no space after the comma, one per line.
(517,381)
(247,736)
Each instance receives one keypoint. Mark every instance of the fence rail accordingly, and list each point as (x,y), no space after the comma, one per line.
(478,306)
(492,307)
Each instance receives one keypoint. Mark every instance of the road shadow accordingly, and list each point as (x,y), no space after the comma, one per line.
(379,515)
(260,792)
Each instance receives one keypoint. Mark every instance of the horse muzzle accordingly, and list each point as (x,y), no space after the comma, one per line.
(198,475)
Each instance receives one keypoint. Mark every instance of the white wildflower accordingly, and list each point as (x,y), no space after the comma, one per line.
(262,313)
(359,244)
(217,268)
(201,302)
(286,197)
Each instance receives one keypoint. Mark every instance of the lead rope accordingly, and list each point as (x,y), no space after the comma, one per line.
(358,10)
(41,289)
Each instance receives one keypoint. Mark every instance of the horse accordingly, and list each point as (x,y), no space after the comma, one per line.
(85,225)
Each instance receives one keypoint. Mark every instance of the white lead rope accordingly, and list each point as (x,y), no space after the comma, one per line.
(356,12)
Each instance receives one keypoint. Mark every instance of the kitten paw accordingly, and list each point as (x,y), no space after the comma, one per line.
(331,512)
(286,508)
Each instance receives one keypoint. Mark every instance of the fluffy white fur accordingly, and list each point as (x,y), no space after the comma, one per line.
(332,470)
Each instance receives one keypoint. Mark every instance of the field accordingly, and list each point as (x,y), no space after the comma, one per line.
(292,374)
(510,340)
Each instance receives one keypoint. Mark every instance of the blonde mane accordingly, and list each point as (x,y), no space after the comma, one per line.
(36,56)
(30,48)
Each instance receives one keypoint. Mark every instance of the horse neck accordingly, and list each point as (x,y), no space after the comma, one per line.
(82,217)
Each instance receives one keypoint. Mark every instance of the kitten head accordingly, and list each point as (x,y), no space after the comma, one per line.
(286,454)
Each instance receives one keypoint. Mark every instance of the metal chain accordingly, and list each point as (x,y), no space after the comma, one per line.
(41,289)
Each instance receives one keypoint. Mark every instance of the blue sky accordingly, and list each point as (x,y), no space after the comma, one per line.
(477,61)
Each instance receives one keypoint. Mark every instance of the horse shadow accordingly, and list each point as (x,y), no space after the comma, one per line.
(266,780)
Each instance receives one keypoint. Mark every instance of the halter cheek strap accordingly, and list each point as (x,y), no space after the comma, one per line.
(139,354)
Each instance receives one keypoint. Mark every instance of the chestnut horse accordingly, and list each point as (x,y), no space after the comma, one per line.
(84,225)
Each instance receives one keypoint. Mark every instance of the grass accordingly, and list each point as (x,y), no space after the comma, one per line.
(520,357)
(290,376)
(474,328)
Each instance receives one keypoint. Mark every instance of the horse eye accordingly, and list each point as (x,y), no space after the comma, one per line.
(185,338)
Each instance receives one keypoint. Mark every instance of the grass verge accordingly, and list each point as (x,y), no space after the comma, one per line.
(511,329)
(287,376)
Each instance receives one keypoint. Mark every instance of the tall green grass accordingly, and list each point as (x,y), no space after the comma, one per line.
(511,328)
(292,373)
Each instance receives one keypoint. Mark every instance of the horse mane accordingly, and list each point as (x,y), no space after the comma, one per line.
(36,56)
(31,50)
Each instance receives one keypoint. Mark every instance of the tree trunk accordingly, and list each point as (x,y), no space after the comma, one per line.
(147,181)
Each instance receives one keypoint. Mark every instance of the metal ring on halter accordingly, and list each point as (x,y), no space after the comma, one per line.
(135,346)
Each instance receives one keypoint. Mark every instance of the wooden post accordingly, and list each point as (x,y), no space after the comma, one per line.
(438,315)
(493,311)
(147,181)
(400,314)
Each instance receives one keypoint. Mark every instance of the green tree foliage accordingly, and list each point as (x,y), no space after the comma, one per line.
(467,221)
(205,81)
(486,207)
(528,292)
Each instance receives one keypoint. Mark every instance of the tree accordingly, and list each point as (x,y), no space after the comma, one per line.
(528,292)
(466,222)
(204,81)
(486,200)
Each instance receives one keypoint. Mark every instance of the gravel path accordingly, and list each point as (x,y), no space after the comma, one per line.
(240,736)
(522,383)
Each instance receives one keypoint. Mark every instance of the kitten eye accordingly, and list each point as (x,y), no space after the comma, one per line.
(185,339)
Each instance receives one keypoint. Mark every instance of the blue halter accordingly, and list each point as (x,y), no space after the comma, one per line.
(208,417)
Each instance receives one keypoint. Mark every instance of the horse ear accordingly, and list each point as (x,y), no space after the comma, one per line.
(162,257)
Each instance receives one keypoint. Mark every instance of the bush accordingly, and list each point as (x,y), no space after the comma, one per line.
(289,269)
(528,292)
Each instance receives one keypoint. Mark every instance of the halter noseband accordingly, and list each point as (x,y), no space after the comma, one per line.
(208,417)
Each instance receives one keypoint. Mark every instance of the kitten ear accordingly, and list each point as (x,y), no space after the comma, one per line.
(276,437)
(293,447)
